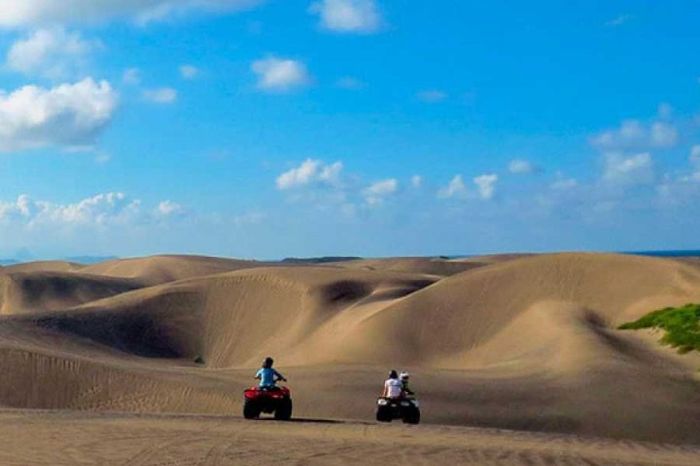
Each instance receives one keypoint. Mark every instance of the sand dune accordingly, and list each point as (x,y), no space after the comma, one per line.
(525,343)
(26,292)
(41,266)
(430,266)
(162,269)
(71,438)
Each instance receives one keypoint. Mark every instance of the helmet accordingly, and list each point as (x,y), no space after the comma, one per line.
(404,376)
(268,362)
(393,374)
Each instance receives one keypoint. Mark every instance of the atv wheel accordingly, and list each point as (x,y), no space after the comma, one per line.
(284,410)
(251,410)
(411,416)
(383,414)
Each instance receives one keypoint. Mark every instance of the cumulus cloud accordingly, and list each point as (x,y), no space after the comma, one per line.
(67,115)
(416,181)
(486,185)
(634,169)
(189,71)
(168,208)
(521,167)
(348,16)
(377,192)
(280,74)
(101,209)
(310,172)
(163,95)
(455,188)
(632,134)
(52,53)
(29,13)
(431,96)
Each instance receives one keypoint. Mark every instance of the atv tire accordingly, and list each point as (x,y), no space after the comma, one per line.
(383,414)
(284,410)
(411,416)
(251,410)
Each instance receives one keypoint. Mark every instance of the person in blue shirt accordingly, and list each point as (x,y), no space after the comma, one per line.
(267,375)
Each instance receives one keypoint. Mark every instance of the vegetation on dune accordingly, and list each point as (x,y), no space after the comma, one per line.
(682,326)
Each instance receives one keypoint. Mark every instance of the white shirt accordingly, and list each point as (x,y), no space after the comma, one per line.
(393,388)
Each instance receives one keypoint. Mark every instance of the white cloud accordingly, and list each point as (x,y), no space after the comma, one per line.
(52,53)
(29,13)
(167,208)
(416,181)
(189,71)
(486,185)
(632,134)
(280,74)
(131,76)
(432,96)
(635,169)
(377,192)
(348,16)
(455,188)
(310,171)
(619,21)
(66,115)
(100,209)
(521,167)
(663,135)
(163,95)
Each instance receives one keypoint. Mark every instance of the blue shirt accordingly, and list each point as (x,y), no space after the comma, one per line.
(267,376)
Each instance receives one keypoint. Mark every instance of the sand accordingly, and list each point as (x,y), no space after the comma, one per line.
(523,343)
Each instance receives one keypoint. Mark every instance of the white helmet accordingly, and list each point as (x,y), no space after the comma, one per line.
(404,376)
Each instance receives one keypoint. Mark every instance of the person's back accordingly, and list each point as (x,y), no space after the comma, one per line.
(267,375)
(392,386)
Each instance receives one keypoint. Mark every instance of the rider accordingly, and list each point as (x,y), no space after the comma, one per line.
(404,376)
(392,386)
(267,375)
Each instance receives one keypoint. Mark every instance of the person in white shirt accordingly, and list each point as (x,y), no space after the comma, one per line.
(393,388)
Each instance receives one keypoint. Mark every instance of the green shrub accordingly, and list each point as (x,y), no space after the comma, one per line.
(682,326)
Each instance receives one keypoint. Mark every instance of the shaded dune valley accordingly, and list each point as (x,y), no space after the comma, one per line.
(523,343)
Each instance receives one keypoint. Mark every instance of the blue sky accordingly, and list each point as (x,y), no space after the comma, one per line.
(347,127)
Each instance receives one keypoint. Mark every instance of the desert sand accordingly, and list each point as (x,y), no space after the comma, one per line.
(516,360)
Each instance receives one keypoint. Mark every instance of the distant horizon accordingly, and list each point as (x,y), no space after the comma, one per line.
(89,259)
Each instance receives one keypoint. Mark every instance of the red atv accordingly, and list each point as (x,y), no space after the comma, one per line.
(270,400)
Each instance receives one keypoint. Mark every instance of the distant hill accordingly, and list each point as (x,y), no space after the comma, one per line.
(90,259)
(317,260)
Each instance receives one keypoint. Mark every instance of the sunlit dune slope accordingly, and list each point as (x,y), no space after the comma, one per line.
(162,269)
(41,266)
(229,319)
(460,313)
